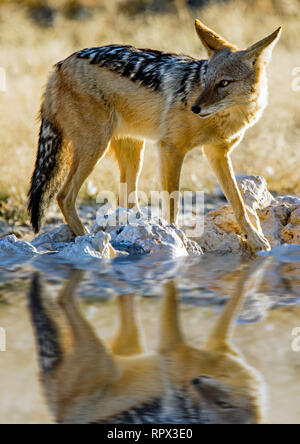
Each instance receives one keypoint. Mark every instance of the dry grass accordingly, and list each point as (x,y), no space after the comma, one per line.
(28,53)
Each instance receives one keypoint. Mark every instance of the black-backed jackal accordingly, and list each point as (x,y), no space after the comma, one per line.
(118,96)
(88,381)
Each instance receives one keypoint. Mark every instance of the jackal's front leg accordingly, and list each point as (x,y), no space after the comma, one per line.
(222,166)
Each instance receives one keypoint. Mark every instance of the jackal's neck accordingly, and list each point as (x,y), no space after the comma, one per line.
(254,109)
(231,124)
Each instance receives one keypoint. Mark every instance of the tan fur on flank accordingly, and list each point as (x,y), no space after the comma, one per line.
(95,99)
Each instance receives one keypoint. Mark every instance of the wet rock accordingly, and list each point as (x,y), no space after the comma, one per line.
(11,246)
(59,242)
(125,230)
(150,236)
(97,246)
(53,240)
(279,218)
(62,241)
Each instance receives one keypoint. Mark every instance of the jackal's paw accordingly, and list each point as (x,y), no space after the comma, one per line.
(256,242)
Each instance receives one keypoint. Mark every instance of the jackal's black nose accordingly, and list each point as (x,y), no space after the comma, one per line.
(196,109)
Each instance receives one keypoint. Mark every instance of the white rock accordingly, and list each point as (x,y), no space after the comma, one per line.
(11,246)
(141,235)
(97,246)
(62,241)
(255,192)
(151,236)
(82,247)
(51,240)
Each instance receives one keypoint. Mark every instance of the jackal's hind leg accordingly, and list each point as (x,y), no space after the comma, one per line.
(171,161)
(88,150)
(130,156)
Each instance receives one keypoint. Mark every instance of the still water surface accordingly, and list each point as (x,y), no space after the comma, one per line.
(126,340)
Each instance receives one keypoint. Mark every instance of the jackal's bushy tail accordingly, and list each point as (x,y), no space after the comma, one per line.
(46,330)
(45,179)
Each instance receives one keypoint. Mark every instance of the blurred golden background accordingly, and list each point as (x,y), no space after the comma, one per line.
(35,34)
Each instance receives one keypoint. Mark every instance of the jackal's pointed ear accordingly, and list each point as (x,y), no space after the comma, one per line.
(211,40)
(262,50)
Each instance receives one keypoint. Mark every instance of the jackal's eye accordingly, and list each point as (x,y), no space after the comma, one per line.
(224,83)
(225,405)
